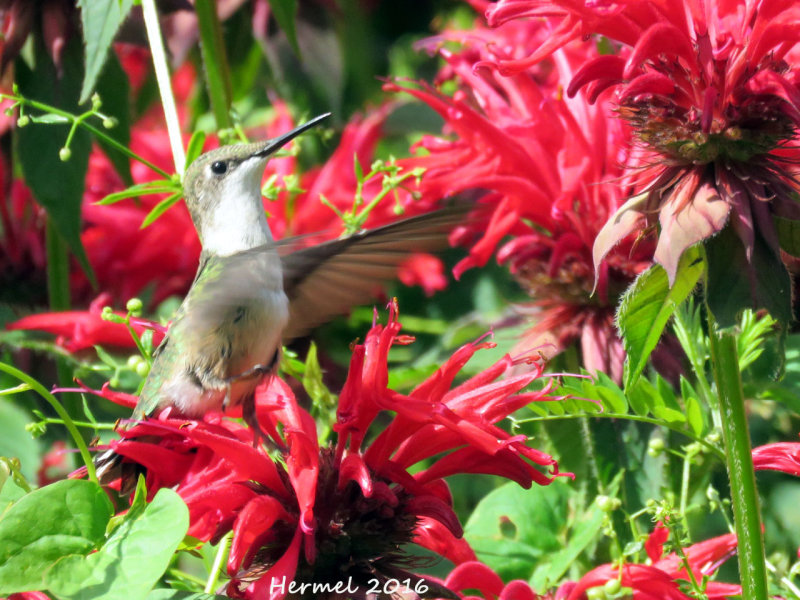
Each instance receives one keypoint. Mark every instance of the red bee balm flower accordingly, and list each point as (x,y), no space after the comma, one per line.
(549,167)
(713,97)
(326,514)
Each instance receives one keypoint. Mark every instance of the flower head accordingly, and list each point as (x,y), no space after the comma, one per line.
(548,166)
(714,104)
(319,511)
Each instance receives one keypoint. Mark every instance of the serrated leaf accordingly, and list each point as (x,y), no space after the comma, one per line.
(100,20)
(58,186)
(133,559)
(647,306)
(41,528)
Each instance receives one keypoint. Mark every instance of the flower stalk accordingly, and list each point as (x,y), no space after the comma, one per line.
(746,513)
(164,87)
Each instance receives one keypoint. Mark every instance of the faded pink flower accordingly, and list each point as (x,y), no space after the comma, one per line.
(714,104)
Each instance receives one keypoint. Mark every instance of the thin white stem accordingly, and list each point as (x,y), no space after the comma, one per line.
(165,89)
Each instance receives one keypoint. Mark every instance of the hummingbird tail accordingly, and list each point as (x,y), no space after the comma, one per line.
(110,466)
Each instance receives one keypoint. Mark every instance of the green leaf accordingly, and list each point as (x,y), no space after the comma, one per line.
(58,186)
(195,147)
(586,530)
(788,235)
(147,188)
(694,408)
(319,393)
(15,441)
(133,559)
(734,283)
(285,13)
(647,306)
(41,528)
(511,529)
(160,208)
(215,62)
(100,20)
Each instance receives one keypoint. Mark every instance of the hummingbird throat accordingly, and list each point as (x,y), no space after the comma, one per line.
(237,221)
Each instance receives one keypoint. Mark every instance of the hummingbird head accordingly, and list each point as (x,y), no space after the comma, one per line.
(222,189)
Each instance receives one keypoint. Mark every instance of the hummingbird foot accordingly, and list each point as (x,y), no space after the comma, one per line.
(249,416)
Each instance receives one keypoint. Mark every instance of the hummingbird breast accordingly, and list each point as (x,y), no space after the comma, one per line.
(229,324)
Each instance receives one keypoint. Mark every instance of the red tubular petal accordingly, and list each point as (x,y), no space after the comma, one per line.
(433,507)
(434,536)
(475,575)
(274,585)
(518,590)
(651,82)
(252,525)
(654,546)
(608,67)
(662,38)
(352,468)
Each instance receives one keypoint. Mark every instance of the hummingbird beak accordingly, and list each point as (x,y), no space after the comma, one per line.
(272,145)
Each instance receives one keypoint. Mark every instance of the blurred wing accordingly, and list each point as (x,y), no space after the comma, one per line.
(328,279)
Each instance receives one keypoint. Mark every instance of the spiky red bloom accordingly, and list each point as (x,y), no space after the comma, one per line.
(321,513)
(80,329)
(714,102)
(663,579)
(549,168)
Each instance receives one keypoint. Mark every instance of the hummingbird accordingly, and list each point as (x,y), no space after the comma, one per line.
(252,294)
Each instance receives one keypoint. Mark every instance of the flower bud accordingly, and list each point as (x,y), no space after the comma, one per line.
(23,121)
(65,154)
(612,587)
(134,306)
(143,368)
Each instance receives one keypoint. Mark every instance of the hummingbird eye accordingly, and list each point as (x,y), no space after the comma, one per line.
(219,167)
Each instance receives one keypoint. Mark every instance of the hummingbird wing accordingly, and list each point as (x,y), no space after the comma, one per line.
(326,280)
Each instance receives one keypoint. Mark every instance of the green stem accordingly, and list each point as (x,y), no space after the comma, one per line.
(59,294)
(215,63)
(61,411)
(219,558)
(725,363)
(46,108)
(651,420)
